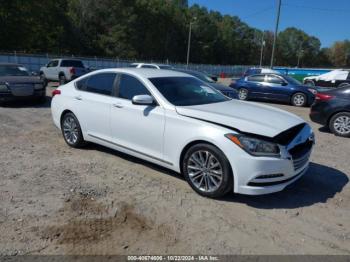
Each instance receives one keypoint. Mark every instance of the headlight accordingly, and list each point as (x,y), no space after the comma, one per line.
(38,86)
(312,91)
(255,146)
(3,88)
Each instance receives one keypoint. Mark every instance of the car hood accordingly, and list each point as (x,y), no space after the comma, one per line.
(246,117)
(19,79)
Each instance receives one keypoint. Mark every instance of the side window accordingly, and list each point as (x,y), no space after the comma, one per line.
(274,79)
(53,63)
(81,84)
(149,66)
(101,83)
(256,78)
(129,87)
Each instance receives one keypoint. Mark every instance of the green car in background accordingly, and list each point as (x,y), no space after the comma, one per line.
(301,73)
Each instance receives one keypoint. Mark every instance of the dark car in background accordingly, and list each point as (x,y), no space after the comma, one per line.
(17,83)
(227,91)
(274,87)
(332,109)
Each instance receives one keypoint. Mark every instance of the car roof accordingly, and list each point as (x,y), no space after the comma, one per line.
(150,64)
(147,72)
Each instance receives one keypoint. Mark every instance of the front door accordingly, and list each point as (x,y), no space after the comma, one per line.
(138,128)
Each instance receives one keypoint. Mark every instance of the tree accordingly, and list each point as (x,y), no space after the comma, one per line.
(340,53)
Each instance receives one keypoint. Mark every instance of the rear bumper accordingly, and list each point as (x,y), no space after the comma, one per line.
(8,97)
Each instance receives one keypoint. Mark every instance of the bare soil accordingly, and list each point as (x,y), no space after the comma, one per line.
(58,200)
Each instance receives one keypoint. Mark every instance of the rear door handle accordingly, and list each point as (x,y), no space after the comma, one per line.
(118,105)
(78,98)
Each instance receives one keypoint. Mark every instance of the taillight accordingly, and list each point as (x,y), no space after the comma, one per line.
(72,71)
(323,97)
(56,92)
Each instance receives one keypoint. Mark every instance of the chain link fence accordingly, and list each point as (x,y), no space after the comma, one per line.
(34,61)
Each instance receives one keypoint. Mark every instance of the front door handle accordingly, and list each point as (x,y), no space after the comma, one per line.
(78,98)
(118,105)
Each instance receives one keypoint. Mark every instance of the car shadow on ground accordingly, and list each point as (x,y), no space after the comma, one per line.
(324,129)
(319,184)
(28,103)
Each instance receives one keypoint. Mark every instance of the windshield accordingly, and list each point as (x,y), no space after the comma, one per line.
(165,67)
(10,70)
(187,91)
(292,80)
(72,63)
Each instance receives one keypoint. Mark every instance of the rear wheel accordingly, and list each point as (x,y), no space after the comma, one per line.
(243,94)
(62,80)
(43,78)
(340,124)
(71,130)
(299,99)
(207,170)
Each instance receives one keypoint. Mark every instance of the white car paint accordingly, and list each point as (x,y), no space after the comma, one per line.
(338,74)
(149,66)
(160,134)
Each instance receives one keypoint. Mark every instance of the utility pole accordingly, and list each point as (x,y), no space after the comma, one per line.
(262,48)
(276,31)
(189,42)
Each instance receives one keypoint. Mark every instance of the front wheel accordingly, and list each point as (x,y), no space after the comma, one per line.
(340,124)
(299,99)
(207,170)
(71,131)
(243,94)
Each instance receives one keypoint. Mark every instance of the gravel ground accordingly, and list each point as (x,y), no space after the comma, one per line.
(58,200)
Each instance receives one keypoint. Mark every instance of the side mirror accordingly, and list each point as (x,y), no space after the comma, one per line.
(145,100)
(284,84)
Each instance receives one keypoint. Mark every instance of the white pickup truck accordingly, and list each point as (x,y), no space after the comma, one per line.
(62,70)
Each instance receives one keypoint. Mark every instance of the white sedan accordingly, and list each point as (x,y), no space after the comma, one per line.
(177,121)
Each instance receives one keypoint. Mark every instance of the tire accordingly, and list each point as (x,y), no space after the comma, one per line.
(206,182)
(243,94)
(310,83)
(43,78)
(340,124)
(299,99)
(41,100)
(62,80)
(71,131)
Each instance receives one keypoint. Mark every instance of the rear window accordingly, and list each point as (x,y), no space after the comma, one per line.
(71,63)
(253,71)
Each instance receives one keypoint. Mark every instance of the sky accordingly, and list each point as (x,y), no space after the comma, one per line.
(328,20)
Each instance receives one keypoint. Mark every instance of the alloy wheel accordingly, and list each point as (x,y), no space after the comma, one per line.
(70,130)
(342,125)
(243,94)
(205,171)
(299,100)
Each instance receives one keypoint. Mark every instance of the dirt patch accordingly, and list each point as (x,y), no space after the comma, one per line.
(83,228)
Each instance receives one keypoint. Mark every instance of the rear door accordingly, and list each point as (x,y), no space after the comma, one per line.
(138,128)
(94,100)
(255,85)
